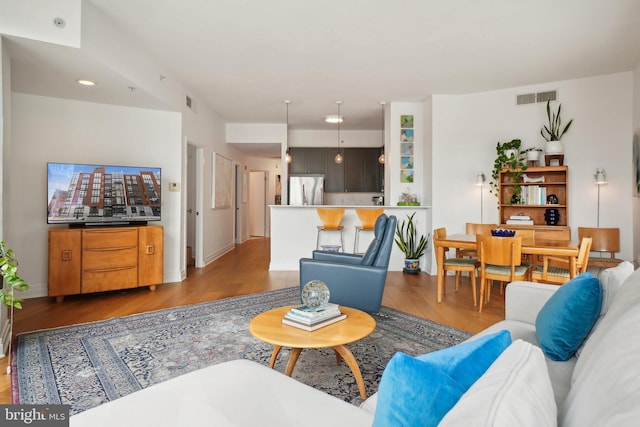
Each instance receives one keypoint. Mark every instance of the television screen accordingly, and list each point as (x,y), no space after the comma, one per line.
(99,194)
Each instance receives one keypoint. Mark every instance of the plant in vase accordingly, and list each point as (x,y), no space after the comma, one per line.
(553,131)
(410,244)
(532,154)
(11,282)
(512,163)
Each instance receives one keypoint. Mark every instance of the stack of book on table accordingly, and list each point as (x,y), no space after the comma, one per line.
(520,219)
(312,318)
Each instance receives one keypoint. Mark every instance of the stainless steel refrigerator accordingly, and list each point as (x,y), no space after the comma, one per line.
(306,189)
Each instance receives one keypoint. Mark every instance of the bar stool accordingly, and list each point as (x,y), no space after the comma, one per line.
(330,218)
(368,218)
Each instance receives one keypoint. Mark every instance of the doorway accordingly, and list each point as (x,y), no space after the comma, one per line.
(194,240)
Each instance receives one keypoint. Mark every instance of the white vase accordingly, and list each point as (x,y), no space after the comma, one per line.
(533,155)
(554,147)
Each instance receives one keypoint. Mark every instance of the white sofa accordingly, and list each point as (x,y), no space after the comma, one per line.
(600,387)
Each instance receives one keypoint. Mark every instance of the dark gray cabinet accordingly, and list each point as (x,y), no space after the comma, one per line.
(362,172)
(359,172)
(306,160)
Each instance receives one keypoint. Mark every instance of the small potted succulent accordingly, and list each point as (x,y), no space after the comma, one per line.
(532,154)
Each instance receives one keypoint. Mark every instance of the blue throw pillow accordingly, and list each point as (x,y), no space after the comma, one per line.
(421,390)
(567,317)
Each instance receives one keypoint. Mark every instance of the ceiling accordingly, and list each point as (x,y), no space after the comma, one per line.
(244,58)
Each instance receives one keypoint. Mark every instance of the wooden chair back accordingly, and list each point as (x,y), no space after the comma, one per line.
(475,228)
(583,254)
(503,251)
(604,239)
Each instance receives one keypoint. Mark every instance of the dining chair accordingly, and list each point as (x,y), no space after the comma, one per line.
(458,265)
(548,273)
(500,259)
(474,228)
(606,241)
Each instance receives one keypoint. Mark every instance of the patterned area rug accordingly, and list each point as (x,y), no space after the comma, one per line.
(89,364)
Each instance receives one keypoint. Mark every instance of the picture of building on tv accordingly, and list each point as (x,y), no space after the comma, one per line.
(98,194)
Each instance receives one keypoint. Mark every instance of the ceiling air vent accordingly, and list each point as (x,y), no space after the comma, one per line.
(528,98)
(546,96)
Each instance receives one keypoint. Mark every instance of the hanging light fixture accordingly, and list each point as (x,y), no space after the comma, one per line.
(381,156)
(338,159)
(287,156)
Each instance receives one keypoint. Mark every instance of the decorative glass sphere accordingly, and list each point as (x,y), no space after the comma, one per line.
(315,294)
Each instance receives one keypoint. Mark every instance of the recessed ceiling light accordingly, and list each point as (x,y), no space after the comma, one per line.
(86,82)
(333,119)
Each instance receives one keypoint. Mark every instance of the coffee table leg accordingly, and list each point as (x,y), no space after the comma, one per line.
(338,357)
(293,358)
(347,355)
(274,355)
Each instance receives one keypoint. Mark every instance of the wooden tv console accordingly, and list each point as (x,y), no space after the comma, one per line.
(96,259)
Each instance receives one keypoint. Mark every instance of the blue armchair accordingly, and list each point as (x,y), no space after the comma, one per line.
(354,280)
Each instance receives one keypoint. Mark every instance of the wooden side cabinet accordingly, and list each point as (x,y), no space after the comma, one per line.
(104,259)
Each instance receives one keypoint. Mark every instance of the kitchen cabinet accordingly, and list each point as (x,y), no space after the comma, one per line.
(359,172)
(306,160)
(362,171)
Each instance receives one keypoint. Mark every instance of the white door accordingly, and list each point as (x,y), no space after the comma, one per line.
(258,204)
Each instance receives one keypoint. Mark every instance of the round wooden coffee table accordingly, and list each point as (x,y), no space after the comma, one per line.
(268,327)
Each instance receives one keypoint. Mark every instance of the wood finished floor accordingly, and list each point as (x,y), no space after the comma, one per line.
(243,271)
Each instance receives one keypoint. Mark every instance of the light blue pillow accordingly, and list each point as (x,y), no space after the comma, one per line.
(567,317)
(421,390)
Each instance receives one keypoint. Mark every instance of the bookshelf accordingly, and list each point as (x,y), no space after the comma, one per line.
(537,183)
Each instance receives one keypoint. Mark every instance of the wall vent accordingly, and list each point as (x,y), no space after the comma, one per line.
(546,96)
(190,103)
(528,98)
(532,98)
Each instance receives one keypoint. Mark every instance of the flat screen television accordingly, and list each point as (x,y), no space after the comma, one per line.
(85,194)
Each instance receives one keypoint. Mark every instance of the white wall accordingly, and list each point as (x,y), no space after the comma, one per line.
(466,129)
(58,130)
(329,138)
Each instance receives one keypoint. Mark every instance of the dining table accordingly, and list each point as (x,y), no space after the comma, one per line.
(534,247)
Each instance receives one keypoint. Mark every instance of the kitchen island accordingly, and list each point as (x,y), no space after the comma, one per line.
(294,234)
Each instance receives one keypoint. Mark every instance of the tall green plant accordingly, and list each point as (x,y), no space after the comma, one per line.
(551,131)
(407,239)
(12,282)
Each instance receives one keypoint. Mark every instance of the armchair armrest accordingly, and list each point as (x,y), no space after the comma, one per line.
(339,257)
(523,300)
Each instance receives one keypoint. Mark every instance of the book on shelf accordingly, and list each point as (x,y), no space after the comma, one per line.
(307,311)
(519,222)
(310,328)
(310,320)
(520,217)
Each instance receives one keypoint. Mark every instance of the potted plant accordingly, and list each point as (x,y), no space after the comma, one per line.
(410,244)
(512,163)
(9,272)
(11,282)
(532,154)
(553,131)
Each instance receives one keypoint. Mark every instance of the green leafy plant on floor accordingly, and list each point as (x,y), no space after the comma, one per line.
(12,282)
(407,239)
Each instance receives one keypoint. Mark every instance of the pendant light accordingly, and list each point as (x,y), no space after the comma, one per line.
(338,159)
(381,156)
(287,156)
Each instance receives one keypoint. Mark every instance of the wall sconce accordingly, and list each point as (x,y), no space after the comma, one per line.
(600,179)
(480,179)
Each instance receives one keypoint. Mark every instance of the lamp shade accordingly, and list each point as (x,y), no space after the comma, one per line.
(600,177)
(480,179)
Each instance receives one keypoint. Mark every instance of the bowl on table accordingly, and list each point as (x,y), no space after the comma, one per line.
(503,233)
